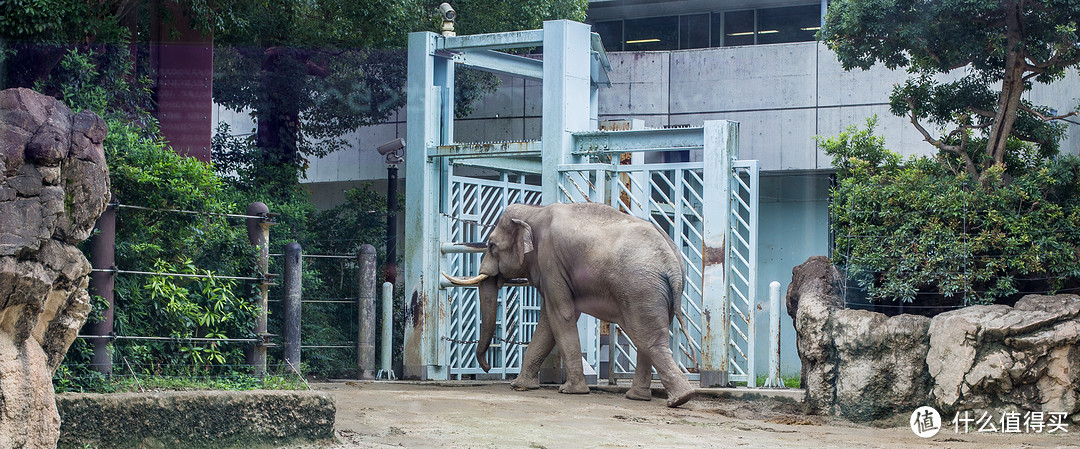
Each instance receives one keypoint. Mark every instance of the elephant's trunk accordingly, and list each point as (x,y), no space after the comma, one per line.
(489,306)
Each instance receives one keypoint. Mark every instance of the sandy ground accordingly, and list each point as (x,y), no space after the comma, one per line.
(491,415)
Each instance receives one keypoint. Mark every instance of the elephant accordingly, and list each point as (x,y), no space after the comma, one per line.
(586,258)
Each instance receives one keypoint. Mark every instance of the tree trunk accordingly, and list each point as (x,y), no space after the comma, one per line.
(1012,88)
(278,114)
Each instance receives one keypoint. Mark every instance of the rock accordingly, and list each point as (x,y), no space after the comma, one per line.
(53,185)
(197,419)
(1008,358)
(865,366)
(857,364)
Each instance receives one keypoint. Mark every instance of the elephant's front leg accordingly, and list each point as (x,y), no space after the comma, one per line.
(565,332)
(539,347)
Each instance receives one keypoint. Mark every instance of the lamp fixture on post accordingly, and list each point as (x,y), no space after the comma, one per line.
(394,151)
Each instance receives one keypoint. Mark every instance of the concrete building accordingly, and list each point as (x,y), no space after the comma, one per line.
(679,63)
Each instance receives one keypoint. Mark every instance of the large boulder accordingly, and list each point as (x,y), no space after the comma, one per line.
(866,366)
(53,185)
(1018,358)
(857,364)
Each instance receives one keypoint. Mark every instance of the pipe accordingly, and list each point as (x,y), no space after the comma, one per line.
(391,222)
(293,286)
(774,380)
(385,367)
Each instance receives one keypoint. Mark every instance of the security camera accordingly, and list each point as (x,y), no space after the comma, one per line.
(448,16)
(447,12)
(393,145)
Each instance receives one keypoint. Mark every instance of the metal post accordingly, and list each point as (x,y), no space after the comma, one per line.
(258,230)
(103,257)
(365,305)
(385,367)
(774,380)
(293,286)
(391,222)
(721,148)
(613,353)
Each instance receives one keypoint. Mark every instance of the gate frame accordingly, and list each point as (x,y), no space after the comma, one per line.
(574,67)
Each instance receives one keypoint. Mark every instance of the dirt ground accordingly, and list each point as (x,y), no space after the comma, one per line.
(491,415)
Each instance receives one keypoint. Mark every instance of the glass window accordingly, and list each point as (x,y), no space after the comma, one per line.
(610,34)
(788,24)
(738,28)
(654,33)
(694,31)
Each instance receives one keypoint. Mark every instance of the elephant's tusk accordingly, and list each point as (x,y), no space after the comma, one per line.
(464,280)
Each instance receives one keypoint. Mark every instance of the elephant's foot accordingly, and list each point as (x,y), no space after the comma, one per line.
(574,388)
(523,384)
(679,397)
(639,394)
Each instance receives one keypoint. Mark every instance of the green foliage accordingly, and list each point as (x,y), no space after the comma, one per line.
(910,228)
(1002,46)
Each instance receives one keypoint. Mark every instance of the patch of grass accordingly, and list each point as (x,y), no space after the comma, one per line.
(789,382)
(230,382)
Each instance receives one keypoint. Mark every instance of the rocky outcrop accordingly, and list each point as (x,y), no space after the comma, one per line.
(998,357)
(865,366)
(197,419)
(53,185)
(857,364)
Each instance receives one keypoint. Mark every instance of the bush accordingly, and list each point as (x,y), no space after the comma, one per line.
(905,229)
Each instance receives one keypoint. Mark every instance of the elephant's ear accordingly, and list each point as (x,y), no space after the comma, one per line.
(526,236)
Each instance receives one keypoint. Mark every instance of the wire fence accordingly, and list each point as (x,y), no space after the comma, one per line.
(329,335)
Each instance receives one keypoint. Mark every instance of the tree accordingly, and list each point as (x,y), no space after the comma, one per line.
(1007,44)
(312,71)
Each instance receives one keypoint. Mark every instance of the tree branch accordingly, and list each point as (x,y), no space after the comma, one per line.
(969,165)
(1044,117)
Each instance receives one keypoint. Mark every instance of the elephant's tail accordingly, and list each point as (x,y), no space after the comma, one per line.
(675,290)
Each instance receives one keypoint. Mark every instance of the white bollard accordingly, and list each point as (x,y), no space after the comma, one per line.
(774,380)
(387,332)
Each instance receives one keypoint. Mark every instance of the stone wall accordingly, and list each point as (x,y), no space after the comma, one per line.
(195,419)
(54,183)
(864,366)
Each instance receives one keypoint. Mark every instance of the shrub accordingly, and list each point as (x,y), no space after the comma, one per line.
(908,228)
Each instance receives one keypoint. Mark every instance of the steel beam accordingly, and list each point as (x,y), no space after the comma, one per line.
(530,165)
(462,150)
(599,142)
(502,63)
(493,41)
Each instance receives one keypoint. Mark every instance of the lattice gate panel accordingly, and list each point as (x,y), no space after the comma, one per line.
(742,270)
(670,196)
(473,206)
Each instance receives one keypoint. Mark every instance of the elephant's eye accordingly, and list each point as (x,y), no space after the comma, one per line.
(492,248)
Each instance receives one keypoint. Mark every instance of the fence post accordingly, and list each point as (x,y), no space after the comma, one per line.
(293,285)
(365,305)
(774,380)
(103,257)
(386,356)
(258,230)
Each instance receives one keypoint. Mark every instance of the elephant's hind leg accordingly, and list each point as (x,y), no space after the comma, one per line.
(540,346)
(641,387)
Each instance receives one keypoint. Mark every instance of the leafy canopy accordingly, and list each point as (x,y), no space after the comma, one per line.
(1003,46)
(913,231)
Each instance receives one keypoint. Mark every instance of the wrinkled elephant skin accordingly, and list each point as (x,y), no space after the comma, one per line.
(592,259)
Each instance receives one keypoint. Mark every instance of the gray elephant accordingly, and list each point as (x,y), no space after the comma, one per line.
(593,259)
